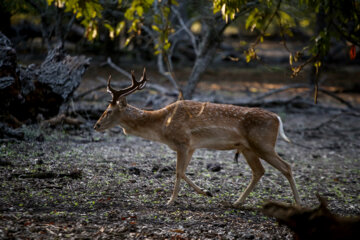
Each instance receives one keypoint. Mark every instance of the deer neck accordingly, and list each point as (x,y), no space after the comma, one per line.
(145,124)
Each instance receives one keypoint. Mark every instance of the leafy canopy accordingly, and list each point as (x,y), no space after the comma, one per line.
(338,19)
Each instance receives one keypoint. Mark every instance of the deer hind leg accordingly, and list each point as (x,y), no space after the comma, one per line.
(183,159)
(257,172)
(277,162)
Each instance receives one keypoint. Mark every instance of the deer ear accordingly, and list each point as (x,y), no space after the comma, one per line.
(122,102)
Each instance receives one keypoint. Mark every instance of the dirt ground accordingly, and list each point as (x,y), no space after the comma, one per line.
(68,182)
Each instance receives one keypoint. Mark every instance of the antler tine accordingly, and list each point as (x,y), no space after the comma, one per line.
(114,93)
(134,82)
(110,90)
(144,75)
(124,92)
(143,80)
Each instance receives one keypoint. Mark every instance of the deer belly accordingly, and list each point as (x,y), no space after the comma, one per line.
(219,138)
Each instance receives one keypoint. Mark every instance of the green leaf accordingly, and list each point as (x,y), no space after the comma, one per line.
(286,19)
(166,12)
(139,10)
(248,58)
(157,19)
(128,40)
(252,19)
(167,46)
(317,65)
(108,26)
(119,27)
(129,14)
(155,28)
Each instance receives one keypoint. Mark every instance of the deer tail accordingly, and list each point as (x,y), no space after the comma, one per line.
(281,131)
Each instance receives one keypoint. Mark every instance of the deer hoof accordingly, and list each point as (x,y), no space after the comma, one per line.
(209,194)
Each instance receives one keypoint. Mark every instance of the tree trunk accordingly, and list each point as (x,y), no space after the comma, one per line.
(9,75)
(199,68)
(207,49)
(5,17)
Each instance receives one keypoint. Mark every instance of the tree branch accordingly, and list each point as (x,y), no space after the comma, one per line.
(187,30)
(117,68)
(166,74)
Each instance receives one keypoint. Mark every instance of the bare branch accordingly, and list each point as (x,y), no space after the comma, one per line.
(160,60)
(187,30)
(148,31)
(165,73)
(69,25)
(162,90)
(172,36)
(117,68)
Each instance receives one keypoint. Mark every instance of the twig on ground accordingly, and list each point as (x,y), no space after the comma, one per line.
(282,89)
(333,95)
(303,85)
(89,91)
(60,119)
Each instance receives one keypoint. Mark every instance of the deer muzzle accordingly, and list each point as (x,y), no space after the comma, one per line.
(97,127)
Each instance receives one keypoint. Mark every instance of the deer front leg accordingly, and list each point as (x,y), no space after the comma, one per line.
(183,159)
(180,172)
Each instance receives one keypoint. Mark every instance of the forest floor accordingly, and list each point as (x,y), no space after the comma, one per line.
(68,182)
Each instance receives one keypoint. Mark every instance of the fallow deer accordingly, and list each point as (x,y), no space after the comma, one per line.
(188,125)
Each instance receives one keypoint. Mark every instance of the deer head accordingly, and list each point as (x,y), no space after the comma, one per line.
(118,103)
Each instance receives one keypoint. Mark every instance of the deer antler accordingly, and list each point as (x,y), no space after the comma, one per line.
(116,94)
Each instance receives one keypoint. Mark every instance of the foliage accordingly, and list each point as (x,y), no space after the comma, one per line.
(135,14)
(229,8)
(158,13)
(87,10)
(327,20)
(335,19)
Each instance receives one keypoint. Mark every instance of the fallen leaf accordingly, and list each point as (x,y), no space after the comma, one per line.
(352,52)
(27,223)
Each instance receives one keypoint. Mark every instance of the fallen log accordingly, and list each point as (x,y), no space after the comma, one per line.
(26,92)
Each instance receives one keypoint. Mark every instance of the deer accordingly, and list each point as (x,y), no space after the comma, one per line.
(187,125)
(315,223)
